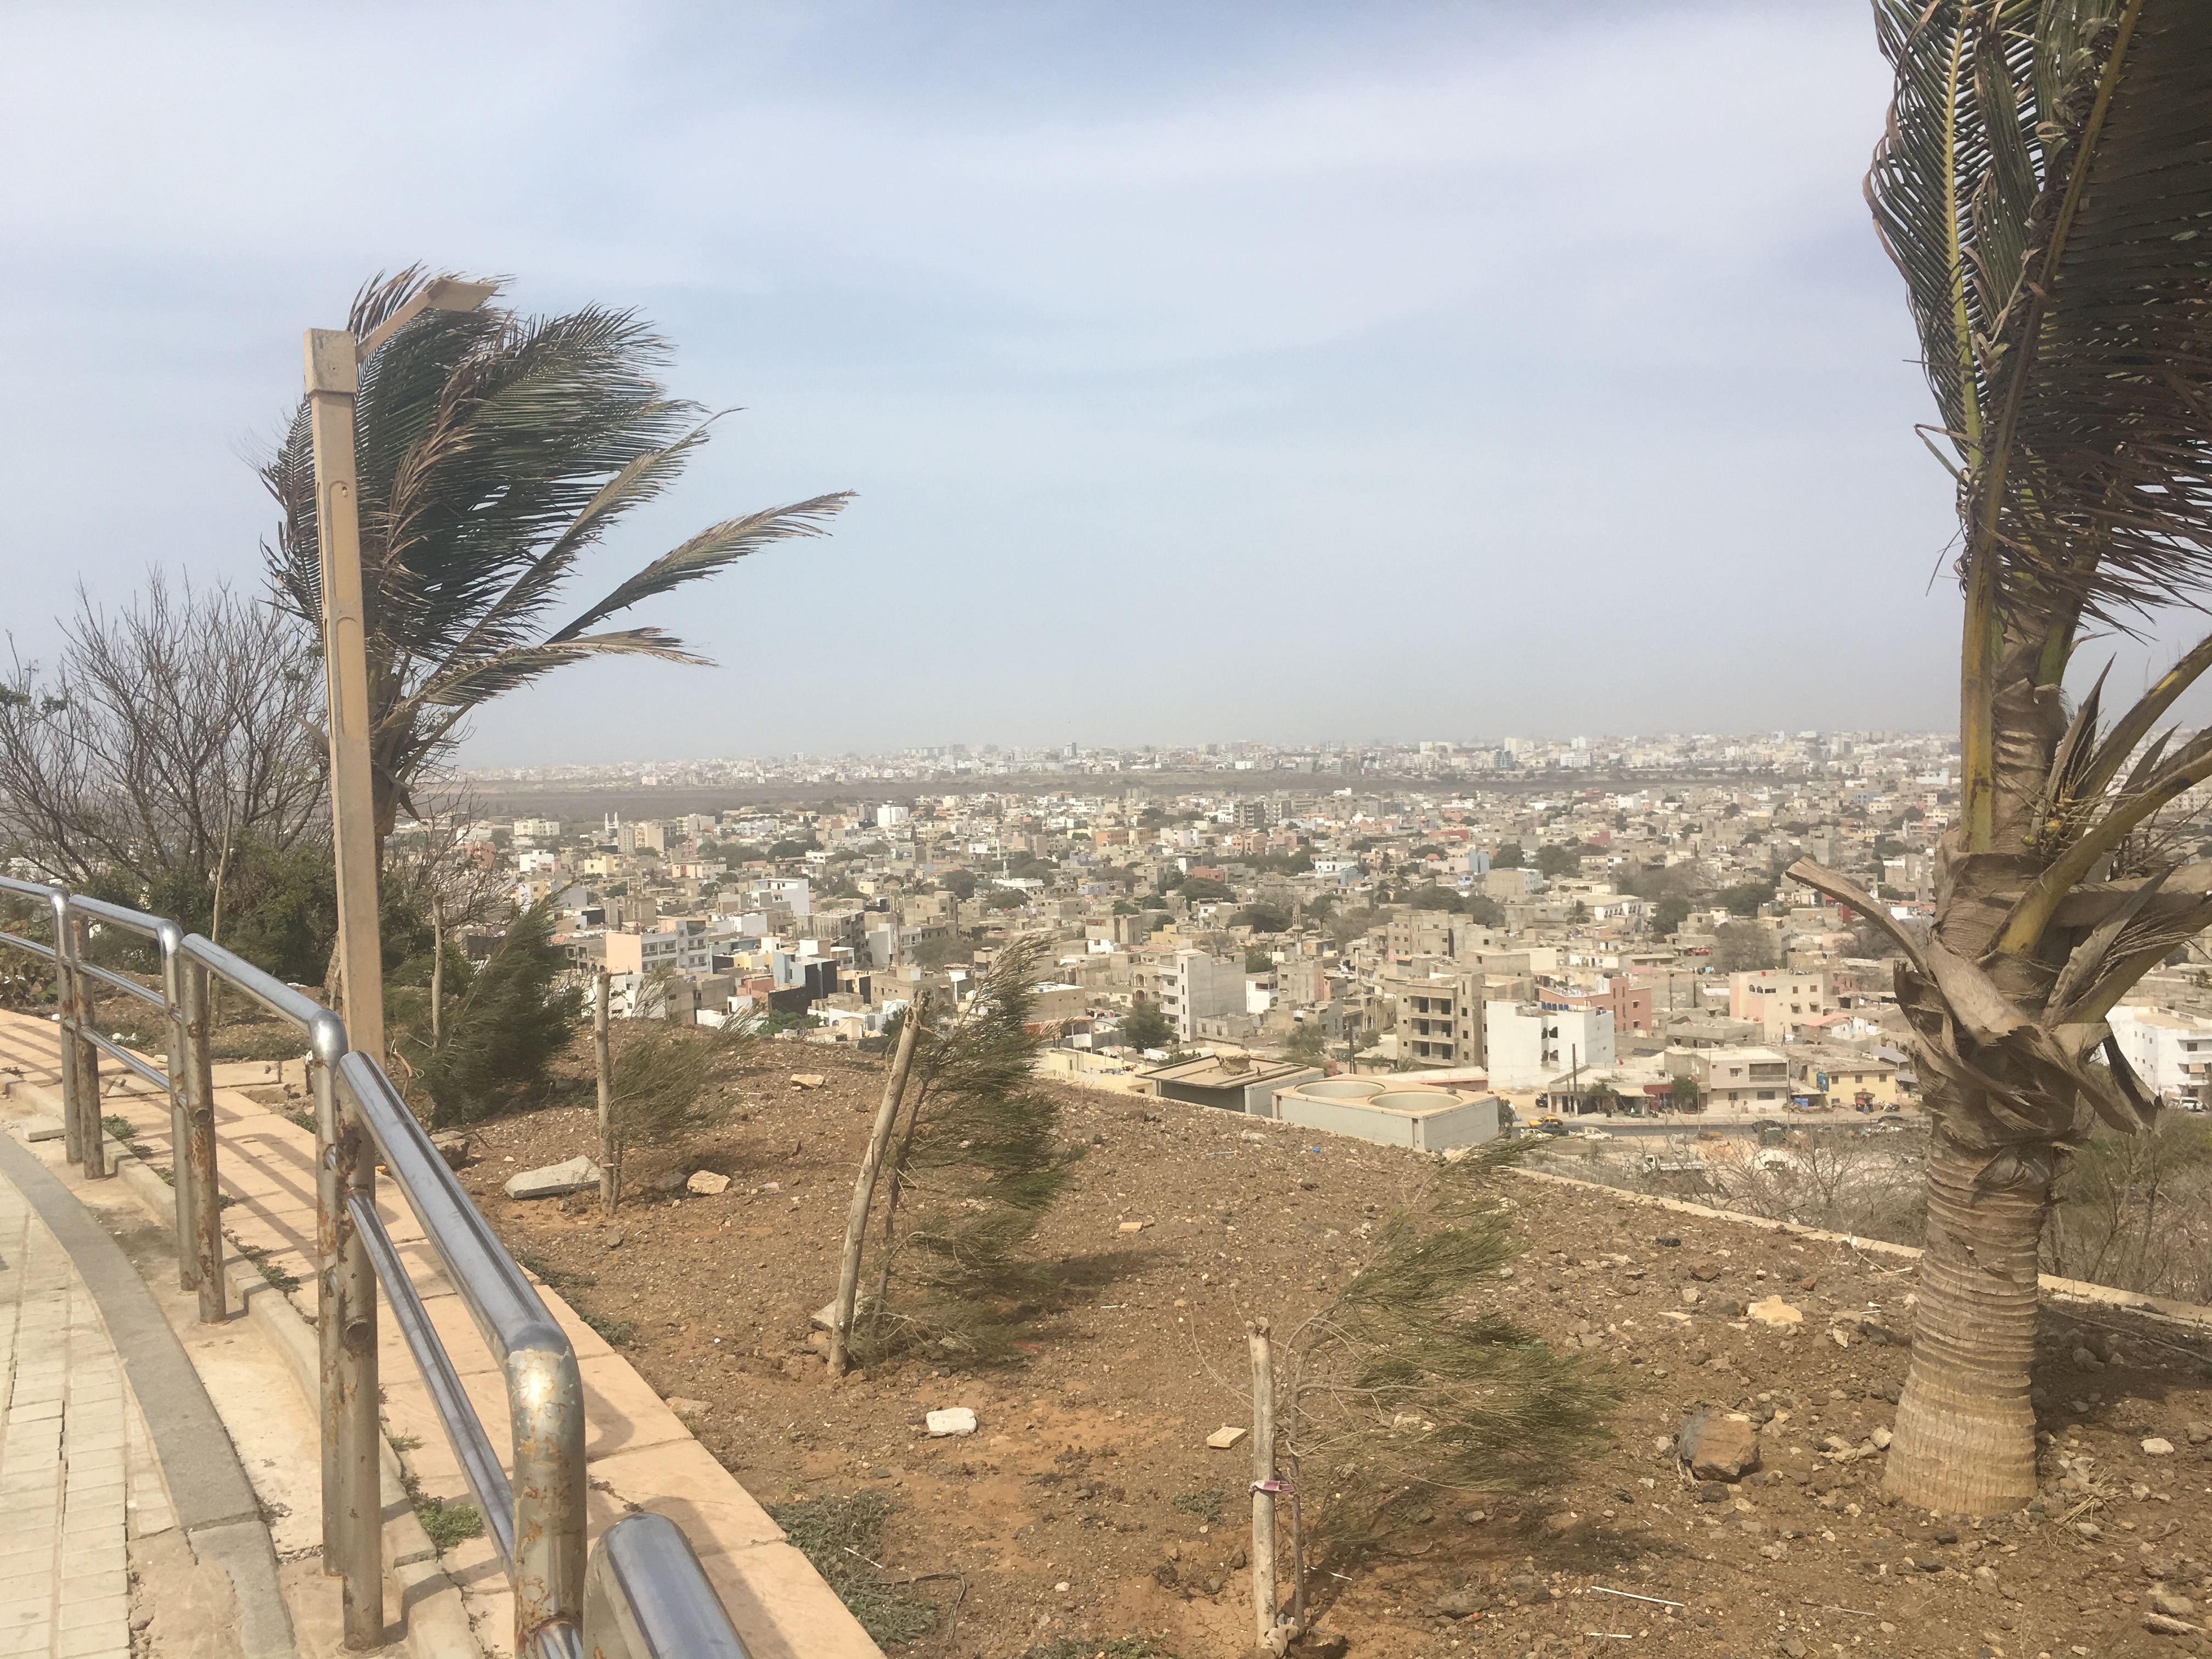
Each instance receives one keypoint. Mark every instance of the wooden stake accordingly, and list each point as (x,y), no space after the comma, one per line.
(1263,1472)
(864,1188)
(609,1158)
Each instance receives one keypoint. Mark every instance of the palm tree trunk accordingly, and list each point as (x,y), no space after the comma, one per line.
(1966,1430)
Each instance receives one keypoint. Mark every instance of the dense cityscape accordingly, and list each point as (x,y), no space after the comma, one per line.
(1580,942)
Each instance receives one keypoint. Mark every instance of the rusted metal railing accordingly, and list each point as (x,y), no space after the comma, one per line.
(643,1594)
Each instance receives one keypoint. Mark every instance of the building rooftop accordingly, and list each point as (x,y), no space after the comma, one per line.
(1214,1072)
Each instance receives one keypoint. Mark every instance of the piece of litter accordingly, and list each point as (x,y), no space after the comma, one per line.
(1223,1439)
(1657,1600)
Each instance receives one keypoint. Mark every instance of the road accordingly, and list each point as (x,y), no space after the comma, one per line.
(1688,1128)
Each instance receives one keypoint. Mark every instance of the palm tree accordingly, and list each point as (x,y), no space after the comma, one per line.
(2046,187)
(493,450)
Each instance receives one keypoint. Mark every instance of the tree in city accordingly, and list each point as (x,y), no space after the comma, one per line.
(1553,859)
(1405,1393)
(165,747)
(501,1024)
(1145,1026)
(972,1163)
(662,1085)
(1669,914)
(1263,918)
(1745,897)
(2044,185)
(495,450)
(1509,856)
(1308,1043)
(1742,947)
(1685,1096)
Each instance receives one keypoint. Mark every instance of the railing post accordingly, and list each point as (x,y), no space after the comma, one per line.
(199,1194)
(179,1063)
(65,1017)
(545,1396)
(345,1318)
(83,1083)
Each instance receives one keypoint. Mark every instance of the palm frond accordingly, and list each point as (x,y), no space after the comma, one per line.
(710,550)
(639,481)
(471,683)
(2046,187)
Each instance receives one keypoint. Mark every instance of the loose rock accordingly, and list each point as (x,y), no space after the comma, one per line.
(1719,1446)
(1463,1603)
(954,1420)
(1223,1439)
(706,1183)
(1775,1311)
(555,1180)
(2155,1446)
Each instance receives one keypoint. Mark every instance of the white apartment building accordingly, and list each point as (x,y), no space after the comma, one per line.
(1194,987)
(685,947)
(889,817)
(1527,1045)
(788,890)
(2169,1052)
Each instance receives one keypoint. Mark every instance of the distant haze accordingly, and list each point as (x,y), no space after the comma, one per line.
(1298,371)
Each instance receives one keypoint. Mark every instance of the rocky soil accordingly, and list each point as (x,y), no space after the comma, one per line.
(1087,1510)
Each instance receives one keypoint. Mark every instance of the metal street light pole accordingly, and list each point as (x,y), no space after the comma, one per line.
(333,357)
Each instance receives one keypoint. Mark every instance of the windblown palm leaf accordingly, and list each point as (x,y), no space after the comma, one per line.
(493,452)
(2046,187)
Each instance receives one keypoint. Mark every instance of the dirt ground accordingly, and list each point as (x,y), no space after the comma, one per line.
(1087,1510)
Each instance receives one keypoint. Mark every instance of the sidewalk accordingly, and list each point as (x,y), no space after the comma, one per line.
(76,1476)
(639,1456)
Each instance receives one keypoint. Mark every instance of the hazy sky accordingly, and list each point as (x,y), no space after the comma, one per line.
(1280,371)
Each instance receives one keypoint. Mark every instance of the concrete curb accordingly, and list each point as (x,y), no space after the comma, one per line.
(2066,1290)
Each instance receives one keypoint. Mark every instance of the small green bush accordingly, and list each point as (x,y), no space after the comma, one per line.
(448,1524)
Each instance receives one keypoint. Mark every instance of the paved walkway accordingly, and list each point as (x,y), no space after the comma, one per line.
(76,1477)
(639,1456)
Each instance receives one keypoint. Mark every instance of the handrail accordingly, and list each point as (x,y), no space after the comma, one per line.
(504,1303)
(635,1606)
(642,1594)
(130,986)
(472,1447)
(544,1390)
(116,1050)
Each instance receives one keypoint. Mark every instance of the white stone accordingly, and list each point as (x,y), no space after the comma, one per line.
(1881,1438)
(555,1180)
(706,1183)
(954,1420)
(1775,1311)
(807,1079)
(2158,1448)
(1223,1439)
